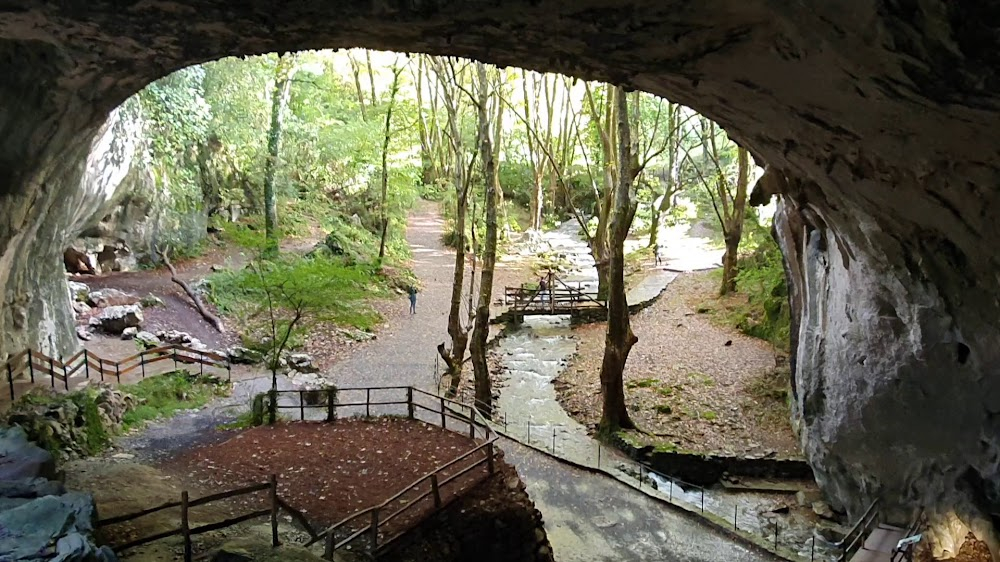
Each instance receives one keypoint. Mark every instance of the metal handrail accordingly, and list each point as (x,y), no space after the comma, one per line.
(906,553)
(858,532)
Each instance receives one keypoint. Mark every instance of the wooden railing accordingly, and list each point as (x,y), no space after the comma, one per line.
(558,297)
(275,504)
(35,366)
(384,523)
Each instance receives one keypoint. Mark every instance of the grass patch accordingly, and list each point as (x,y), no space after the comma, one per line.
(665,391)
(708,415)
(164,395)
(642,383)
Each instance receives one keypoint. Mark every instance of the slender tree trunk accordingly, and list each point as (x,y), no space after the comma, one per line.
(670,187)
(371,74)
(481,329)
(396,70)
(356,71)
(734,226)
(279,99)
(427,167)
(620,339)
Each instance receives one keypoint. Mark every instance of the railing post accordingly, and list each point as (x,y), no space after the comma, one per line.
(10,380)
(472,426)
(409,402)
(489,457)
(671,489)
(201,363)
(272,407)
(185,527)
(368,402)
(775,535)
(100,363)
(736,512)
(229,370)
(435,491)
(640,475)
(302,406)
(331,411)
(118,372)
(374,531)
(444,422)
(703,500)
(274,510)
(31,366)
(812,550)
(86,363)
(52,372)
(328,551)
(142,363)
(173,352)
(65,376)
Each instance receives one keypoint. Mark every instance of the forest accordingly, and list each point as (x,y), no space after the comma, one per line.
(275,147)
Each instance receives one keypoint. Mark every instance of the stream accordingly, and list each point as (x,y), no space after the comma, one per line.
(536,353)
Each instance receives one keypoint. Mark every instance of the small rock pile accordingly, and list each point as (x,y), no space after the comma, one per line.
(40,520)
(119,311)
(73,424)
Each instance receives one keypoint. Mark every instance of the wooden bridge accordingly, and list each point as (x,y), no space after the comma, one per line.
(551,298)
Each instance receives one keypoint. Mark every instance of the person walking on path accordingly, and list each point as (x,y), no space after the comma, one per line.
(656,252)
(413,299)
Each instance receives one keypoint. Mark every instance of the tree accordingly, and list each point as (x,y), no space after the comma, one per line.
(279,101)
(728,203)
(481,328)
(619,339)
(396,71)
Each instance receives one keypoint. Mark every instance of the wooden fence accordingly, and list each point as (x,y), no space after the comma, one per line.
(275,504)
(36,367)
(388,521)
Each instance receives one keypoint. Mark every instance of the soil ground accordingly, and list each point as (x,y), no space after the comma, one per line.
(688,382)
(329,471)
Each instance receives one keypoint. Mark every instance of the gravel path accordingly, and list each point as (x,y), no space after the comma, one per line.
(405,350)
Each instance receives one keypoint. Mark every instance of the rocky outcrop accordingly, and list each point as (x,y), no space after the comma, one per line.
(72,425)
(115,319)
(40,519)
(881,115)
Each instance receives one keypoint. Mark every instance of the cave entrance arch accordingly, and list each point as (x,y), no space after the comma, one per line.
(878,121)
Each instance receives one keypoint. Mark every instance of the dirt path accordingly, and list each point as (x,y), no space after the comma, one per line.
(405,349)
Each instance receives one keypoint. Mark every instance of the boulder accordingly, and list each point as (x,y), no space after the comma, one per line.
(66,521)
(823,510)
(110,297)
(20,458)
(174,336)
(129,333)
(150,301)
(245,356)
(30,488)
(83,333)
(147,339)
(114,319)
(301,362)
(78,292)
(81,307)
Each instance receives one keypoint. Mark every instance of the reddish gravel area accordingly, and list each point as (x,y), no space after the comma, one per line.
(330,471)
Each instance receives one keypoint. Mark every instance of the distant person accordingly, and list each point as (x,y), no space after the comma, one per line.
(413,299)
(656,252)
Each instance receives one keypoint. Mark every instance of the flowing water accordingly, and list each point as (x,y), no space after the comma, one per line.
(536,353)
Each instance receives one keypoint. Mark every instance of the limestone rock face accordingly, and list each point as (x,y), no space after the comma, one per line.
(880,118)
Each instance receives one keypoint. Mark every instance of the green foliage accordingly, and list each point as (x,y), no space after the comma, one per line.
(761,278)
(162,396)
(664,409)
(323,288)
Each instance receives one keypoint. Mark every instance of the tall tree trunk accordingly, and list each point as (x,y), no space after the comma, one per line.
(279,100)
(670,187)
(734,223)
(481,329)
(371,74)
(356,71)
(396,70)
(537,196)
(427,167)
(620,339)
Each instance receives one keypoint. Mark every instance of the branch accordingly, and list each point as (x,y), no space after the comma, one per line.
(212,319)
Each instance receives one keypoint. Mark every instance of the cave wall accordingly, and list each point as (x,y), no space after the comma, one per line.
(882,115)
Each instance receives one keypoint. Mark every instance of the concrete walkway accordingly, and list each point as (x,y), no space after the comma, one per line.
(879,544)
(590,518)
